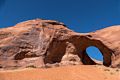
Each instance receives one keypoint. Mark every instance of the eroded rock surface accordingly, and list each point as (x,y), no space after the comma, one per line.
(40,42)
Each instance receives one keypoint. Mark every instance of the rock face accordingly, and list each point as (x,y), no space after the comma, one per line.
(46,42)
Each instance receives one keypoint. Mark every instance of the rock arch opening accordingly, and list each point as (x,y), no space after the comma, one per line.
(105,53)
(85,42)
(95,54)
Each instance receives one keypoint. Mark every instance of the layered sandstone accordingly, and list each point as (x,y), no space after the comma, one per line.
(41,42)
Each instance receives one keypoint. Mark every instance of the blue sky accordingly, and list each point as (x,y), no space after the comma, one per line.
(79,15)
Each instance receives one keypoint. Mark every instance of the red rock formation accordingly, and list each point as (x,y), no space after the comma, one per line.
(39,42)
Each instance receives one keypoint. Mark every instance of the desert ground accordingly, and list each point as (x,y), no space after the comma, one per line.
(77,72)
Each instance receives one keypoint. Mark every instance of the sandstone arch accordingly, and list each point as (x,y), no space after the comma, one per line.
(77,45)
(48,41)
(106,52)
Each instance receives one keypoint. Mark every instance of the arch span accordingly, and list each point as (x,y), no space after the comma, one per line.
(105,51)
(77,45)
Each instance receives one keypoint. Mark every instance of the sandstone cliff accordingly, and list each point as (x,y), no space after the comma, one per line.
(41,42)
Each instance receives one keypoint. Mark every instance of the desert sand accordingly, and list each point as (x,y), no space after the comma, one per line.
(77,72)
